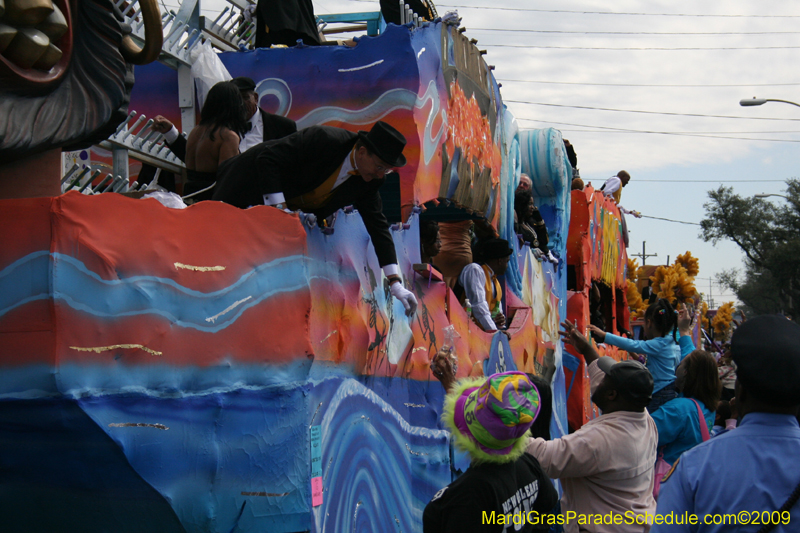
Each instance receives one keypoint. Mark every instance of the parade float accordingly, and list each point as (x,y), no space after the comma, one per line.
(605,287)
(597,288)
(219,369)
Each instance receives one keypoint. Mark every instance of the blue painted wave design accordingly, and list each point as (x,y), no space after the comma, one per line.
(208,455)
(217,447)
(28,279)
(386,103)
(25,280)
(378,470)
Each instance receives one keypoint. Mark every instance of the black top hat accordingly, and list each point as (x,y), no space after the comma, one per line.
(385,142)
(632,378)
(244,83)
(495,249)
(766,350)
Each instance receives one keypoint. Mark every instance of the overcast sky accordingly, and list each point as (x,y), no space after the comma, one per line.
(658,70)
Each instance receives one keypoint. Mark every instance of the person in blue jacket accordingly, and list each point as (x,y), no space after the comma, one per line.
(750,473)
(661,348)
(678,421)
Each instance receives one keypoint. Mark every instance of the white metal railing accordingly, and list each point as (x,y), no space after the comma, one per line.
(81,178)
(234,28)
(136,135)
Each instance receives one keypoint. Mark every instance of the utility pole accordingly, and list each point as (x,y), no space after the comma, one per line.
(644,255)
(710,297)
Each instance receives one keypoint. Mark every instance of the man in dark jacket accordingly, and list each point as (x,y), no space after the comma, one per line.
(263,126)
(320,170)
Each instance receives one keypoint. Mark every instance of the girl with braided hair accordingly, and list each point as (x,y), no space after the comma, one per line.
(661,348)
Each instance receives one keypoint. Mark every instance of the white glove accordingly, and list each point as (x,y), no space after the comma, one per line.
(551,257)
(405,296)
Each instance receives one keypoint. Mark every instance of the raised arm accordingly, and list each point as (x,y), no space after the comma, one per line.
(572,336)
(685,329)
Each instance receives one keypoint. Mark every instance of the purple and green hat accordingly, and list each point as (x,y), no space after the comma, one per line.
(490,417)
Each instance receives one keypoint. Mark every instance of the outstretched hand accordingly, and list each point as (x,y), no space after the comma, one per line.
(161,124)
(572,336)
(442,367)
(598,334)
(405,296)
(684,320)
(734,408)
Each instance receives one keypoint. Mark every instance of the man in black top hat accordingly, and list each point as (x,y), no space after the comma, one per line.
(479,284)
(319,170)
(263,126)
(753,468)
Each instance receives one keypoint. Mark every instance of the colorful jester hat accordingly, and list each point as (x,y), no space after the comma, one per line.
(490,417)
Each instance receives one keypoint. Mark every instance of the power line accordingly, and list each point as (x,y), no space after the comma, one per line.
(607,129)
(649,112)
(645,48)
(504,30)
(689,135)
(711,181)
(504,80)
(627,130)
(610,12)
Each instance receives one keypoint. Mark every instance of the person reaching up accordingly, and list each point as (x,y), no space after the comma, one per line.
(753,469)
(660,347)
(607,465)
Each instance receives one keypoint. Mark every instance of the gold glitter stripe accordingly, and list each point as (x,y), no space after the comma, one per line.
(99,349)
(199,268)
(334,332)
(230,308)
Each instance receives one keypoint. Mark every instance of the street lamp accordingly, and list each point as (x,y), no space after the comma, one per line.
(761,101)
(765,195)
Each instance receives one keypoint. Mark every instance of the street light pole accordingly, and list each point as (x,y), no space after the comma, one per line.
(765,195)
(761,101)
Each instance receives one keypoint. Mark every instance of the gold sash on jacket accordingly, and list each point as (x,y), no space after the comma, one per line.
(493,298)
(321,195)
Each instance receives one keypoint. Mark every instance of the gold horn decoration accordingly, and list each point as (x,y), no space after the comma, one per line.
(153,36)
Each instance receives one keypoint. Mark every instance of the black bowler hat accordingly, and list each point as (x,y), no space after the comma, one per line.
(631,377)
(766,350)
(244,83)
(495,249)
(385,142)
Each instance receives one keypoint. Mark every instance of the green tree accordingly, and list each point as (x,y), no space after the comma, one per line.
(769,235)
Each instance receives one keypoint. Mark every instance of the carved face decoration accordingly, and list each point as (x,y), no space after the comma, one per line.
(65,71)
